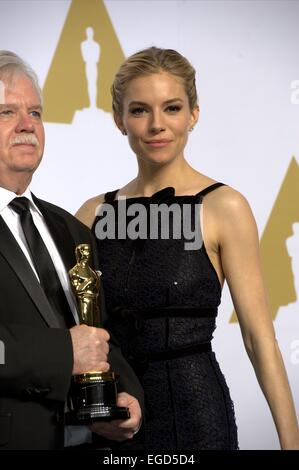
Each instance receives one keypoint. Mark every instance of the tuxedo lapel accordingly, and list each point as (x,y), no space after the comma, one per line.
(11,251)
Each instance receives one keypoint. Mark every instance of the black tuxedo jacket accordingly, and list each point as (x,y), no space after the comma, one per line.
(38,356)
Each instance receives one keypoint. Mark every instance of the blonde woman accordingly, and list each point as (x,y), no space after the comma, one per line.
(162,291)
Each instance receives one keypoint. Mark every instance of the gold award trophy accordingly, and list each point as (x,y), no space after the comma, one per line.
(93,394)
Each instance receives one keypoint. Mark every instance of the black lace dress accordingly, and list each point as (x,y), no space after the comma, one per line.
(162,304)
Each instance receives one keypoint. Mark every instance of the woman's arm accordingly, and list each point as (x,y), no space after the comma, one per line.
(239,252)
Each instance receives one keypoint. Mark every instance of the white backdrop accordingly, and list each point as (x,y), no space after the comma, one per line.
(246,56)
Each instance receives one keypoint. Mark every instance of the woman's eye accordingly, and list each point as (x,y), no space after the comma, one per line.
(137,111)
(173,108)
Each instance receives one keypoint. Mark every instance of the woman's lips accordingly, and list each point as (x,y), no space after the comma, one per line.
(158,143)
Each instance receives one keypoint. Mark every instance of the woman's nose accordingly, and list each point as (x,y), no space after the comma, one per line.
(157,124)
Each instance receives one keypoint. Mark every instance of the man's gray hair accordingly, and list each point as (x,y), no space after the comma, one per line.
(11,64)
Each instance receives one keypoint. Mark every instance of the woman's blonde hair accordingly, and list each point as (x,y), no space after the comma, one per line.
(147,62)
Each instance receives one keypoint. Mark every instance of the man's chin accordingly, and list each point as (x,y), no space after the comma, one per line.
(27,167)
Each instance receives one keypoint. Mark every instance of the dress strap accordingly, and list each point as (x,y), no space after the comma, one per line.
(209,189)
(110,196)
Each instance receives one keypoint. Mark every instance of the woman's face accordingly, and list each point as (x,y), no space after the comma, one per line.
(157,117)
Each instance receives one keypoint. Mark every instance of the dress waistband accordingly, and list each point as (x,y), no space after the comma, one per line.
(140,362)
(162,312)
(179,352)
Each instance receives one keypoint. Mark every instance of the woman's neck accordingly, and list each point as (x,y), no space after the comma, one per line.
(151,179)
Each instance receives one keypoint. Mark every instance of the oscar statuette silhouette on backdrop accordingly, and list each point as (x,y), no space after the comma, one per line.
(94,393)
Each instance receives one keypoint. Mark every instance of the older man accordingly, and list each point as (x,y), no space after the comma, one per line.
(43,345)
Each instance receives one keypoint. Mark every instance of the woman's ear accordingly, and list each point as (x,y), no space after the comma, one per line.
(119,122)
(194,117)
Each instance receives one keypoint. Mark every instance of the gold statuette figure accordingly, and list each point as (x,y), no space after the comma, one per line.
(86,287)
(93,394)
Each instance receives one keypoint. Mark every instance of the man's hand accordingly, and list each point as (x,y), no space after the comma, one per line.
(90,347)
(120,430)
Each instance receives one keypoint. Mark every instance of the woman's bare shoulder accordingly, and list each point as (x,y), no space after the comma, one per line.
(230,212)
(87,212)
(227,199)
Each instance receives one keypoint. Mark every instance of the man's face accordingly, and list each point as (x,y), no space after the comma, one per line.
(21,128)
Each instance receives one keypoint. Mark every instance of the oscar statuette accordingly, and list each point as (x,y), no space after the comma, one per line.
(94,393)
